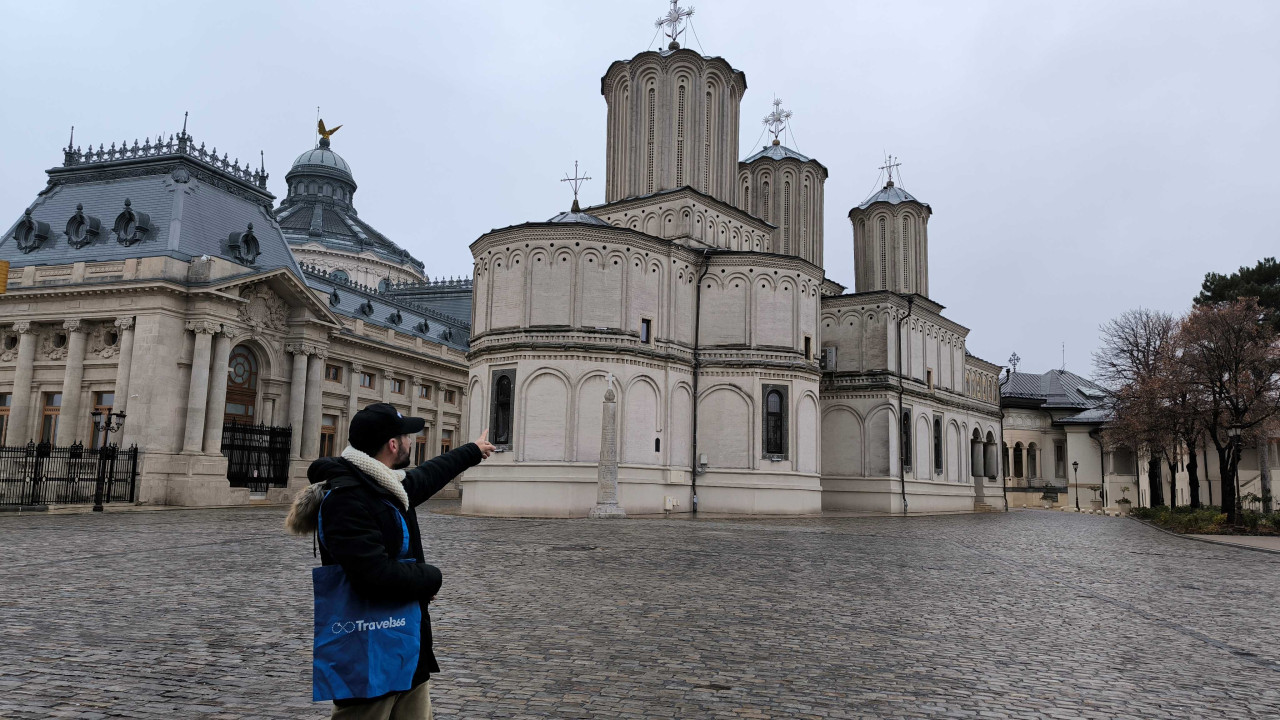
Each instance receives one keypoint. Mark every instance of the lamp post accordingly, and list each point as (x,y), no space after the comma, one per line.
(112,422)
(1075,469)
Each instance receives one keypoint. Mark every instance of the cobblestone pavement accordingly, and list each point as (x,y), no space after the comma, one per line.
(187,614)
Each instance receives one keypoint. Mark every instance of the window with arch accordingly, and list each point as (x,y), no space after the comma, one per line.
(242,386)
(649,145)
(501,407)
(804,220)
(340,276)
(905,439)
(884,257)
(1017,460)
(786,217)
(746,197)
(311,188)
(706,148)
(937,444)
(680,136)
(764,200)
(906,256)
(775,421)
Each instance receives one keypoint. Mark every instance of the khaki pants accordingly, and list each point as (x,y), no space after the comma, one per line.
(412,705)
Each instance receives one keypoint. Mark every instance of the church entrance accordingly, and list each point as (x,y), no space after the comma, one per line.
(257,454)
(242,386)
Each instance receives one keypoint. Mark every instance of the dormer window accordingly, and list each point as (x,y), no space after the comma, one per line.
(244,246)
(366,308)
(82,229)
(30,234)
(131,226)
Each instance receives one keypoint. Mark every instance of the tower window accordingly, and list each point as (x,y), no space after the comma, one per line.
(501,410)
(906,439)
(650,139)
(680,138)
(906,258)
(764,200)
(884,259)
(706,149)
(775,421)
(937,444)
(646,331)
(786,217)
(808,348)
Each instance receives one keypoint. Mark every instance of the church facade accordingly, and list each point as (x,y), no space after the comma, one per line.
(746,380)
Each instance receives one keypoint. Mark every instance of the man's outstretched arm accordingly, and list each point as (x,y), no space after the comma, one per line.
(431,476)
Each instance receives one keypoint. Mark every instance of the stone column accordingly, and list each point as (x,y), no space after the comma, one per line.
(297,391)
(198,389)
(607,474)
(125,326)
(975,452)
(20,405)
(991,460)
(70,421)
(353,397)
(217,408)
(313,405)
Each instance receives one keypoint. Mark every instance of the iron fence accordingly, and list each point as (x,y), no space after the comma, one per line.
(257,455)
(42,474)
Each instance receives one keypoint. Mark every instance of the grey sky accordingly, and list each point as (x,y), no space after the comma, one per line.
(1081,158)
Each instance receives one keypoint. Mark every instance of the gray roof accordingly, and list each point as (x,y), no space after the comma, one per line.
(452,297)
(384,309)
(1056,389)
(576,216)
(891,194)
(321,157)
(193,202)
(777,152)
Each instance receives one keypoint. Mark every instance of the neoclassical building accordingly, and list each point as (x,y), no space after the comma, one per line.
(155,279)
(747,381)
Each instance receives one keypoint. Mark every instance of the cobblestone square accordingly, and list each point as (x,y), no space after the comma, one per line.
(206,614)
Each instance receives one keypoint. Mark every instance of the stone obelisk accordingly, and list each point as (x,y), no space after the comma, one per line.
(607,478)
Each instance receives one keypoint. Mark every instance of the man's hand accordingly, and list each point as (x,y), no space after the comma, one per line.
(482,442)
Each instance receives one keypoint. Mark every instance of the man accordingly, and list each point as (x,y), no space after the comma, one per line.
(366,495)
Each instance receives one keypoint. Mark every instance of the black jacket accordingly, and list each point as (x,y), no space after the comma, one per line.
(361,533)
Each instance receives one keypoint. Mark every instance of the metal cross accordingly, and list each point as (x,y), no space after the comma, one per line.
(1014,360)
(776,121)
(672,21)
(575,182)
(890,163)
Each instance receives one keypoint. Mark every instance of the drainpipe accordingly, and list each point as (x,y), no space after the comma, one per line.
(697,318)
(902,471)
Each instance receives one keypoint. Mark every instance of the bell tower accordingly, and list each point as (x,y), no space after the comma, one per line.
(673,120)
(891,239)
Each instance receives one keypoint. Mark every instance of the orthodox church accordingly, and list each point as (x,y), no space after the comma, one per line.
(746,380)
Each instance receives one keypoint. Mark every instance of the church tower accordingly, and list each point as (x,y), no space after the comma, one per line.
(673,121)
(784,188)
(891,241)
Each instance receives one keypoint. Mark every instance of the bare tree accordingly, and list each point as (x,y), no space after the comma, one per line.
(1229,350)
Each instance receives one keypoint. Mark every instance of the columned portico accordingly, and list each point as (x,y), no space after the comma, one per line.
(217,392)
(20,410)
(198,389)
(71,421)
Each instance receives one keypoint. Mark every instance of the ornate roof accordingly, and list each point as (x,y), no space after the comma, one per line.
(891,194)
(118,203)
(319,208)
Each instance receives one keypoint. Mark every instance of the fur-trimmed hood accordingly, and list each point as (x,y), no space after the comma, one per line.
(304,514)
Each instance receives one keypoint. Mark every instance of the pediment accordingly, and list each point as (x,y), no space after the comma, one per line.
(273,297)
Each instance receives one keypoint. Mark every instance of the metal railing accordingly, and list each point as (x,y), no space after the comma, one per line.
(257,455)
(41,474)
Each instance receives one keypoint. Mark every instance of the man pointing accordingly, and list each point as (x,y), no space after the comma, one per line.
(363,503)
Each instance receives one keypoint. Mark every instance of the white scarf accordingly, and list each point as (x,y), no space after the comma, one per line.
(390,480)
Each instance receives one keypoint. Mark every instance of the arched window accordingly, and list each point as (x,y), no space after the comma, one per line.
(500,427)
(328,189)
(906,257)
(1033,461)
(242,386)
(706,149)
(1005,455)
(311,188)
(937,444)
(884,257)
(680,137)
(764,200)
(1017,460)
(906,439)
(775,435)
(786,217)
(383,284)
(339,276)
(804,221)
(649,146)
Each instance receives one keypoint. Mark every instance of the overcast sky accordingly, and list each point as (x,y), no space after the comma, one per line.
(1081,158)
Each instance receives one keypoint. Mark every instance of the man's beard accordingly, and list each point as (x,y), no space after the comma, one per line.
(402,461)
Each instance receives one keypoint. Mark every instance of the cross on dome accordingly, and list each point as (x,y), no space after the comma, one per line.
(575,182)
(776,121)
(672,21)
(1014,360)
(890,164)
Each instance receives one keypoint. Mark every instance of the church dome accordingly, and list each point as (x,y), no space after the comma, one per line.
(322,161)
(891,194)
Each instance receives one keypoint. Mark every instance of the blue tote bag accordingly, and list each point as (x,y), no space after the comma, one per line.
(362,649)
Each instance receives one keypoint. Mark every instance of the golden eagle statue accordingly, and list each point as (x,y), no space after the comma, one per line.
(326,133)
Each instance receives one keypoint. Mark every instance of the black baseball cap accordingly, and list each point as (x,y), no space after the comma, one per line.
(373,426)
